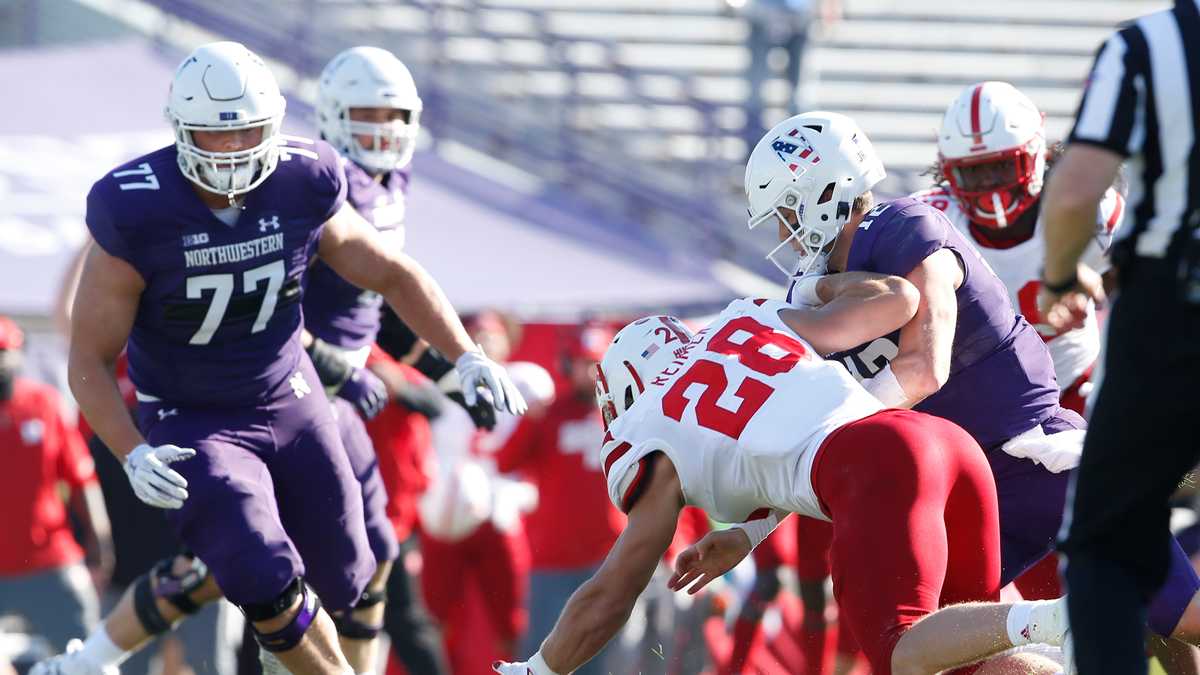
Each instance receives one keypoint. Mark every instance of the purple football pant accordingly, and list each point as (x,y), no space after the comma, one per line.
(364,464)
(1031,510)
(271,496)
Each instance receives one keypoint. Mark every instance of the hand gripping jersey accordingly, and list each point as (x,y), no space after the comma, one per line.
(335,310)
(740,412)
(1019,266)
(1001,378)
(217,323)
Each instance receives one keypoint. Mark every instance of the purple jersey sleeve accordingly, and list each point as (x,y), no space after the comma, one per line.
(103,227)
(328,183)
(896,236)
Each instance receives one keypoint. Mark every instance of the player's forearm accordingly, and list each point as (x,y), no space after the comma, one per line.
(95,389)
(419,301)
(1070,224)
(591,618)
(1070,204)
(856,309)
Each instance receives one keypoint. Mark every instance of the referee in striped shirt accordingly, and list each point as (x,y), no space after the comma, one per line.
(1141,106)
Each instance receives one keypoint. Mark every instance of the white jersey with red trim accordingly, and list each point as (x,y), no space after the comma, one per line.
(1020,267)
(740,412)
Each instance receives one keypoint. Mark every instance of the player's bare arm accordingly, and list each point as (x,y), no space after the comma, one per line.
(354,250)
(718,552)
(858,306)
(602,605)
(105,305)
(1070,216)
(922,365)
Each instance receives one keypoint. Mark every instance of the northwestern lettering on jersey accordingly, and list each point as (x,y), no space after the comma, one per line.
(230,253)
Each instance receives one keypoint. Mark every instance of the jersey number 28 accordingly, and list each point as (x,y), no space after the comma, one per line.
(753,393)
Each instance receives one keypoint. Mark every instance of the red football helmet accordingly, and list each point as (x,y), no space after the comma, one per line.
(992,151)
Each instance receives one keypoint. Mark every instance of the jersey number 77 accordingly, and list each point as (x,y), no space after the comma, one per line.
(786,352)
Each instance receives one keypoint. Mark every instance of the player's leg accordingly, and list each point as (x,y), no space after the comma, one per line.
(152,604)
(813,540)
(358,628)
(414,637)
(501,563)
(774,551)
(324,518)
(972,573)
(231,521)
(886,481)
(1031,500)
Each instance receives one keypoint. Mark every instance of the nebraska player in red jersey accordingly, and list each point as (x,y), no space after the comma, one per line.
(992,163)
(700,420)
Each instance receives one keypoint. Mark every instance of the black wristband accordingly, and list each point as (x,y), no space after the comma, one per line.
(1062,287)
(332,368)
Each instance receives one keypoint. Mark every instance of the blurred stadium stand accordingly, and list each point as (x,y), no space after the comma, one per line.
(633,109)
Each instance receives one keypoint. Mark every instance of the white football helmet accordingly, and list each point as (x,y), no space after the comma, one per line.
(369,77)
(805,173)
(636,353)
(222,86)
(992,152)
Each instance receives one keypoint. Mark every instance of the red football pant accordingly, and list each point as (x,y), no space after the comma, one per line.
(915,524)
(496,564)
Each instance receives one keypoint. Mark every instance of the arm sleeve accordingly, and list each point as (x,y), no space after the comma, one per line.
(1112,112)
(104,229)
(903,241)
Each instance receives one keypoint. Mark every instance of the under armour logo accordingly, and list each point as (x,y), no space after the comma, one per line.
(272,224)
(299,386)
(163,413)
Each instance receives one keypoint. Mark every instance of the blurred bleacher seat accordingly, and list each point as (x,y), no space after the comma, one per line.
(895,64)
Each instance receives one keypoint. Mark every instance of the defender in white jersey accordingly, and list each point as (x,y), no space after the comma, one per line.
(992,163)
(746,420)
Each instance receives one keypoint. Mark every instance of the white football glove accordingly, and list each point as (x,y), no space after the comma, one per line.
(476,370)
(153,481)
(534,666)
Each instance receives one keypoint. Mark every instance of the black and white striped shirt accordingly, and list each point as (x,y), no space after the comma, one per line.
(1142,101)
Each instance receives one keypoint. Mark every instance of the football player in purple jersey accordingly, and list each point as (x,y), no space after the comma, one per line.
(203,278)
(966,355)
(341,323)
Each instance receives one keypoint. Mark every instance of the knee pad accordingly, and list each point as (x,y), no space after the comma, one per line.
(350,627)
(162,582)
(290,635)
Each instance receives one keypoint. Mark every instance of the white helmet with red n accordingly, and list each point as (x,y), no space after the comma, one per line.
(637,352)
(805,174)
(992,151)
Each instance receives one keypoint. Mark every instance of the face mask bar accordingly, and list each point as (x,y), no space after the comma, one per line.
(229,173)
(804,250)
(400,137)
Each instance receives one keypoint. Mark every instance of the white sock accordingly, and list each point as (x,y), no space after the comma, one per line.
(100,651)
(1037,622)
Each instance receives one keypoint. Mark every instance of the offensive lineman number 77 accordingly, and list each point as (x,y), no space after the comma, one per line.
(222,287)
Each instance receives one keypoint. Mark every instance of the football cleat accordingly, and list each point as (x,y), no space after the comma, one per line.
(71,663)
